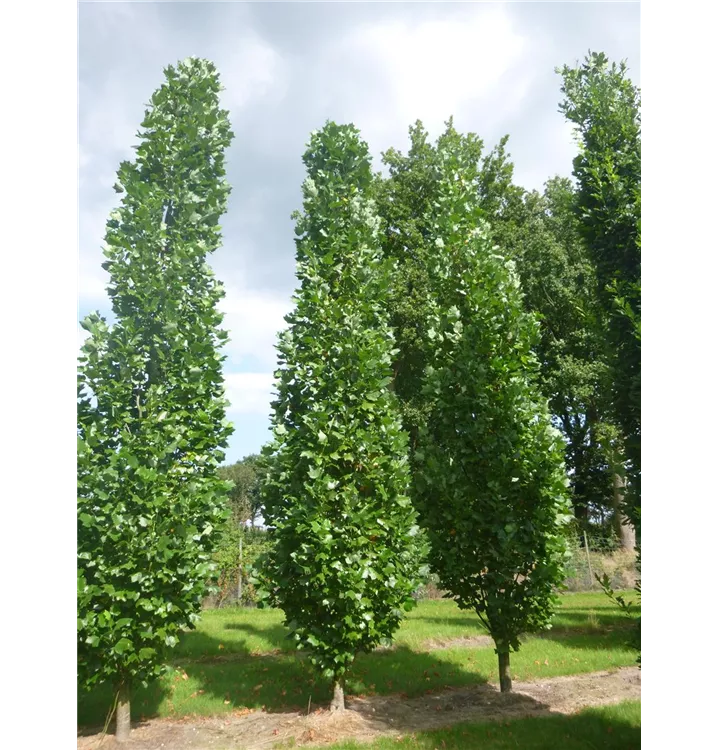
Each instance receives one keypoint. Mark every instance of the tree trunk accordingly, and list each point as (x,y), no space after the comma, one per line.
(122,716)
(580,509)
(626,532)
(239,575)
(337,703)
(504,672)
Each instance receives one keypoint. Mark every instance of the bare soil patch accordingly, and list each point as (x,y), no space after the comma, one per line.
(370,717)
(468,641)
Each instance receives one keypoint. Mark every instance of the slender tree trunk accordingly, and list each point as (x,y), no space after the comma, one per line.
(122,716)
(578,482)
(580,510)
(239,575)
(337,703)
(504,672)
(626,532)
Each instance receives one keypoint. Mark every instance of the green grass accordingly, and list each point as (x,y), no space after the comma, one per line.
(241,658)
(225,632)
(615,727)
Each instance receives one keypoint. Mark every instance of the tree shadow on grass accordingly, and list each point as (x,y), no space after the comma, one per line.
(199,646)
(221,683)
(223,678)
(592,623)
(604,728)
(566,625)
(616,639)
(394,689)
(467,622)
(287,682)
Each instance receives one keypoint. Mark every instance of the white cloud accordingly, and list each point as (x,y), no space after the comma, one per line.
(92,278)
(433,69)
(112,106)
(559,144)
(253,320)
(250,69)
(254,211)
(248,392)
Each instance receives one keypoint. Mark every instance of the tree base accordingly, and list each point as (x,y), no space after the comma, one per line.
(122,715)
(337,703)
(504,672)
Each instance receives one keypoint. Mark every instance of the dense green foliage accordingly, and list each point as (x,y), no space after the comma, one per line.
(541,234)
(345,557)
(605,107)
(151,411)
(446,323)
(406,201)
(491,486)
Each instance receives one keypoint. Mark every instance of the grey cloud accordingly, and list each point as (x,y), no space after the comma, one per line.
(287,67)
(317,76)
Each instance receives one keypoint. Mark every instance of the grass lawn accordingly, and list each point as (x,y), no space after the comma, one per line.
(241,658)
(606,728)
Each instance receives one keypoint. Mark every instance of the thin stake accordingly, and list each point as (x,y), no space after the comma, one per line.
(588,559)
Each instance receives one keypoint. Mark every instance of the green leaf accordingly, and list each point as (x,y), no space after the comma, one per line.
(122,645)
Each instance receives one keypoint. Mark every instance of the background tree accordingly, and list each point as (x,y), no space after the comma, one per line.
(244,495)
(151,426)
(345,558)
(488,449)
(559,283)
(540,232)
(605,107)
(235,555)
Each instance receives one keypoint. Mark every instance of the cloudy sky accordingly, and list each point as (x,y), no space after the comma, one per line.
(287,68)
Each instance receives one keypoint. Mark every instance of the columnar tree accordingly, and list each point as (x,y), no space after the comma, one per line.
(406,199)
(151,411)
(344,561)
(488,449)
(603,104)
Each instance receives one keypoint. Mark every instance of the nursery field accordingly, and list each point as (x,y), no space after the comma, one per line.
(239,668)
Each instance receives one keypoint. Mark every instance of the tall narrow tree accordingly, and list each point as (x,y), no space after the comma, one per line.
(344,561)
(488,449)
(151,412)
(604,105)
(406,200)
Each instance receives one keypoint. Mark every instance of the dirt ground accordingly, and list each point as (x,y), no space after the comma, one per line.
(372,716)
